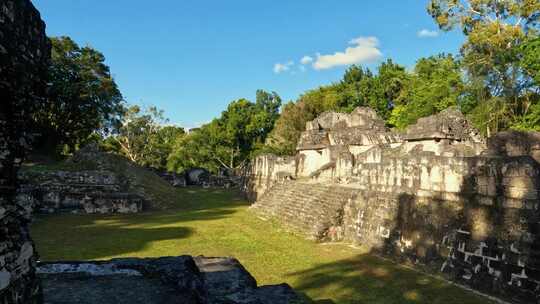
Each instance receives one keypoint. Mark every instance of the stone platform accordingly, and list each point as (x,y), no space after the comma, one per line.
(165,280)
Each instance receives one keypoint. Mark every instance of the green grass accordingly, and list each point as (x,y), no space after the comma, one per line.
(215,222)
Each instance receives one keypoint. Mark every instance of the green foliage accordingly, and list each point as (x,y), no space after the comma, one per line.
(530,121)
(530,59)
(144,139)
(192,151)
(495,32)
(231,139)
(435,85)
(392,79)
(83,97)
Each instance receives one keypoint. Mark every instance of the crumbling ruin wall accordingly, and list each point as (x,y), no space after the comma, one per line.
(266,171)
(189,280)
(435,195)
(24,53)
(86,191)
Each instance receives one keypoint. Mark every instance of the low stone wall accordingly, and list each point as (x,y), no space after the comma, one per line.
(24,55)
(196,280)
(78,192)
(439,198)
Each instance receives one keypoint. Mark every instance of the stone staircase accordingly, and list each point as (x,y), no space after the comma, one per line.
(311,209)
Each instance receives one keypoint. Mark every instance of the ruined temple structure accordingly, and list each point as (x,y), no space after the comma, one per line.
(88,191)
(24,53)
(436,195)
(99,189)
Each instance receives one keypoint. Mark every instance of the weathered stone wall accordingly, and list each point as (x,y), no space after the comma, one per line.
(89,191)
(197,280)
(435,195)
(24,53)
(266,170)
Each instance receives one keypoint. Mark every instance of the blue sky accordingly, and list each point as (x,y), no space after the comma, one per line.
(192,57)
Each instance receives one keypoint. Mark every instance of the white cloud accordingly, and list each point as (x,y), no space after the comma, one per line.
(306,60)
(425,33)
(364,50)
(282,67)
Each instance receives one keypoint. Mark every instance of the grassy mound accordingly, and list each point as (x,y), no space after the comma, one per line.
(135,179)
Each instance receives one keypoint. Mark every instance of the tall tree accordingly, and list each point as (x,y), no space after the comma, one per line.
(83,96)
(144,138)
(230,140)
(530,60)
(391,79)
(435,84)
(495,30)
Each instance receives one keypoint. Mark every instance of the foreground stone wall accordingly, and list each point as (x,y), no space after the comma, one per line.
(436,196)
(24,53)
(196,280)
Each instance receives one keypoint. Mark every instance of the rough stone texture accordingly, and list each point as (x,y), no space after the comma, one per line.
(80,191)
(201,177)
(315,210)
(176,180)
(512,143)
(110,289)
(24,53)
(448,124)
(438,197)
(267,170)
(180,279)
(197,176)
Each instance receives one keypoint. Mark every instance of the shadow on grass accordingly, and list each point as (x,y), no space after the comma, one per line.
(370,279)
(94,237)
(71,237)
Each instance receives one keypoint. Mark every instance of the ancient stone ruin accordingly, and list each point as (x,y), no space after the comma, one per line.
(98,190)
(24,53)
(201,177)
(437,196)
(182,279)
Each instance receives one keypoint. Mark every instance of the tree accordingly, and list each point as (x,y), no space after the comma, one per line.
(391,79)
(530,62)
(292,121)
(266,109)
(230,140)
(435,84)
(495,31)
(530,59)
(83,97)
(161,144)
(192,151)
(284,137)
(144,139)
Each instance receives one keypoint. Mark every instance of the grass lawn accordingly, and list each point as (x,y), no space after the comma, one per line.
(216,222)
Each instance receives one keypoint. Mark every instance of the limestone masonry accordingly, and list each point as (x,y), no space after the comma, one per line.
(437,195)
(88,191)
(182,279)
(24,53)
